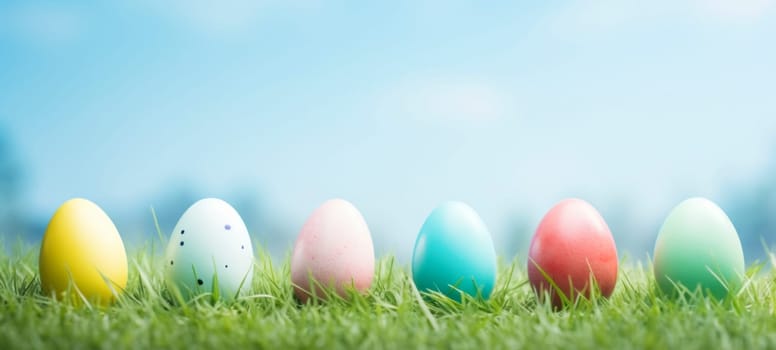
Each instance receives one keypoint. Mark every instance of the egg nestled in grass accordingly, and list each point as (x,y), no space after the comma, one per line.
(209,246)
(698,248)
(334,250)
(82,255)
(454,253)
(572,249)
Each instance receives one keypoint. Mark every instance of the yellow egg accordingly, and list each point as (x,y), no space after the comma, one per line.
(82,252)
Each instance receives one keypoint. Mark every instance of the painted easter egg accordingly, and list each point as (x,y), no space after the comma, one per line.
(82,252)
(454,253)
(333,250)
(572,247)
(698,247)
(210,246)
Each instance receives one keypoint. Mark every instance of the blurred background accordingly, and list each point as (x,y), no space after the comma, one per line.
(276,106)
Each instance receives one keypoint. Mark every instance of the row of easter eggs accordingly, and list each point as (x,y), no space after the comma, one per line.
(210,250)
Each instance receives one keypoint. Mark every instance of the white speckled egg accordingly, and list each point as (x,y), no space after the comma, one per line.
(210,241)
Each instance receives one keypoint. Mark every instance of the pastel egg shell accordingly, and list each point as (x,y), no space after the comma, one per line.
(698,247)
(82,251)
(572,244)
(454,253)
(335,249)
(210,240)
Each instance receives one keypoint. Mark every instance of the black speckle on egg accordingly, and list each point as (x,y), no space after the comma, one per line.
(200,281)
(242,247)
(182,231)
(226,266)
(181,243)
(228,227)
(171,262)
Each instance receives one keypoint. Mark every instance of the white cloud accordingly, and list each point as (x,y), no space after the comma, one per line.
(43,24)
(593,16)
(736,9)
(454,100)
(596,16)
(214,16)
(225,16)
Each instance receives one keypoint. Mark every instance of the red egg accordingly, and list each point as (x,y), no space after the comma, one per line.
(572,247)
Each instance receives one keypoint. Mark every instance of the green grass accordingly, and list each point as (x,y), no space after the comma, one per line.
(392,316)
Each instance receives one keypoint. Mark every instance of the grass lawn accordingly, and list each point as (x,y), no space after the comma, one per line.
(391,316)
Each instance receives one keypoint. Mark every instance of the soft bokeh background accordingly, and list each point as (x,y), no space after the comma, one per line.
(277,106)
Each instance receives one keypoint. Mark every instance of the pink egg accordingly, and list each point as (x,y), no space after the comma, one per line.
(335,248)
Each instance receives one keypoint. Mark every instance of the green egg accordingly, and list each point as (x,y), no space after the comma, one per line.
(698,247)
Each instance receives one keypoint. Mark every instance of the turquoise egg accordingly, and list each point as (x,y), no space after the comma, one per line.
(454,253)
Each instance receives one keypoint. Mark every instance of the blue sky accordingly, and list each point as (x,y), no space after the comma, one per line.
(396,107)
